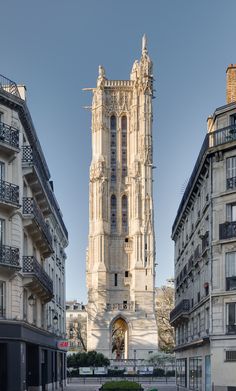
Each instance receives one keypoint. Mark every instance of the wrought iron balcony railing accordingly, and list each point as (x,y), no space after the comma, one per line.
(231,183)
(9,256)
(32,267)
(227,230)
(231,328)
(212,139)
(29,156)
(9,193)
(9,135)
(182,309)
(222,136)
(9,86)
(30,208)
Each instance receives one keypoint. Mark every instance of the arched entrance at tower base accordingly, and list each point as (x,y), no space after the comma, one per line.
(119,337)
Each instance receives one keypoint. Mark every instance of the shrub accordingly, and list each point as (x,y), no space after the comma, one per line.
(158,372)
(116,372)
(121,385)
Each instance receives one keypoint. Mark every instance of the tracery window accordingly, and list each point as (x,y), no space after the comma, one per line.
(124,145)
(124,205)
(113,213)
(113,147)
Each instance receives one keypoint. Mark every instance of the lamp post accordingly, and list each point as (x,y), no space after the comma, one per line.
(135,359)
(32,300)
(55,321)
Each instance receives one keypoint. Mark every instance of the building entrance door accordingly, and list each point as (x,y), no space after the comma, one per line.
(3,366)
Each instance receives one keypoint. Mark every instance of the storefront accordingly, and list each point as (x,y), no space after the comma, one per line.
(38,362)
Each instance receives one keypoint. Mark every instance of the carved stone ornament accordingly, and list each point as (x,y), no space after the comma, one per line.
(98,170)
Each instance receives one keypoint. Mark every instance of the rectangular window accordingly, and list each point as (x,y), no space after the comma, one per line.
(2,299)
(195,373)
(233,119)
(115,280)
(231,318)
(181,372)
(230,355)
(199,324)
(207,320)
(2,171)
(35,313)
(198,297)
(2,232)
(126,273)
(231,172)
(231,212)
(230,271)
(42,315)
(25,304)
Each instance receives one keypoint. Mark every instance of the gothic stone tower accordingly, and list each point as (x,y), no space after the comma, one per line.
(121,251)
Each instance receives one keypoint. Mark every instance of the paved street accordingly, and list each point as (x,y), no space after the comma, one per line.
(95,384)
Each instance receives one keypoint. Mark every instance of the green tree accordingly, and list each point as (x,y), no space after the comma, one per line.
(88,359)
(162,359)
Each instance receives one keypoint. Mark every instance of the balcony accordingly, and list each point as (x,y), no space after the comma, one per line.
(231,183)
(9,86)
(38,180)
(9,139)
(128,245)
(231,329)
(180,312)
(227,230)
(9,195)
(127,280)
(9,257)
(37,227)
(120,307)
(211,140)
(36,278)
(222,136)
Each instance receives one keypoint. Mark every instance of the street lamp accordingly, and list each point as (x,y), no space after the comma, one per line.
(55,320)
(32,300)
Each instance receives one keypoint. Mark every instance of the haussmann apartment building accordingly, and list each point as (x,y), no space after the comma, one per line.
(32,258)
(204,232)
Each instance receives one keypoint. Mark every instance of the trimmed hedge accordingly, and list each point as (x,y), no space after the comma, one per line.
(121,386)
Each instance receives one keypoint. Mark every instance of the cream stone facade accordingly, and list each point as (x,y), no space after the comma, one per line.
(121,251)
(76,326)
(204,232)
(32,258)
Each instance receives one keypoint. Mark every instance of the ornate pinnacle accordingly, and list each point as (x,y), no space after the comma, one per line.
(144,44)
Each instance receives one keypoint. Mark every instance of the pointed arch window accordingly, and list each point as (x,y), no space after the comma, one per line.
(113,213)
(124,207)
(113,147)
(124,144)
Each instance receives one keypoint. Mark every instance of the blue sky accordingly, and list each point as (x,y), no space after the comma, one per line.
(55,47)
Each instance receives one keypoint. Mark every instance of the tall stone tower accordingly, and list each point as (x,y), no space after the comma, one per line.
(121,251)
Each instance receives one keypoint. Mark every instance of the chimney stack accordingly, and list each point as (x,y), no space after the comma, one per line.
(231,83)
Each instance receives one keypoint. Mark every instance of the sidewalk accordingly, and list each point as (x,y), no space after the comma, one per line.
(76,385)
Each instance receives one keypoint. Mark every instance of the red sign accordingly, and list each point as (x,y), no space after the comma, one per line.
(64,345)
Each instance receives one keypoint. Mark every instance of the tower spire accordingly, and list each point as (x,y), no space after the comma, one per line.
(144,44)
